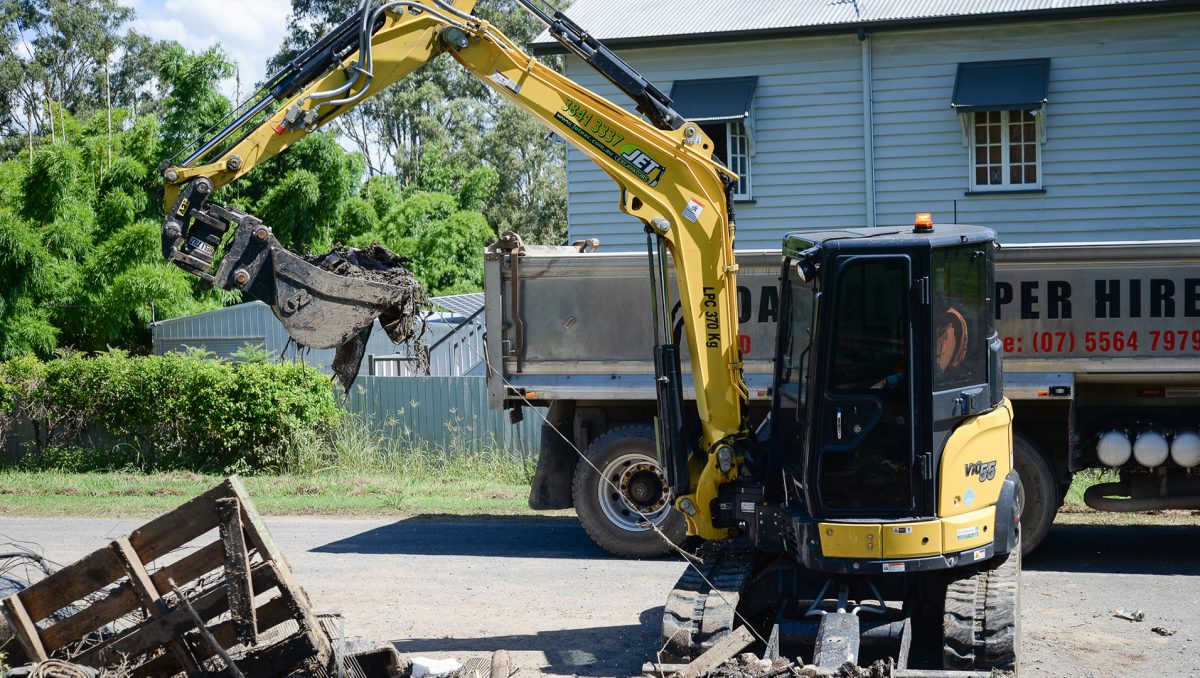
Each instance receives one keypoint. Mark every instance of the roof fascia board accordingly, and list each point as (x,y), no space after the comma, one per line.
(998,18)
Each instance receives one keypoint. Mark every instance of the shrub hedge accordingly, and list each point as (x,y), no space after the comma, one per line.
(172,412)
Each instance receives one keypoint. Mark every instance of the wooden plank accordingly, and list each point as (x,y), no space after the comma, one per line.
(176,528)
(87,575)
(256,529)
(117,604)
(123,600)
(24,628)
(160,632)
(719,653)
(237,570)
(138,577)
(152,600)
(189,568)
(270,614)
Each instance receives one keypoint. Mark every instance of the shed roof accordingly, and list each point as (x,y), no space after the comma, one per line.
(636,22)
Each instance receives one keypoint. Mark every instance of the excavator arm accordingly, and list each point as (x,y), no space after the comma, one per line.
(665,169)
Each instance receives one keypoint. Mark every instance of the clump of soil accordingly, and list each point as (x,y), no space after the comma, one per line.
(402,320)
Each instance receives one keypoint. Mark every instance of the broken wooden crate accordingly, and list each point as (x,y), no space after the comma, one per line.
(223,593)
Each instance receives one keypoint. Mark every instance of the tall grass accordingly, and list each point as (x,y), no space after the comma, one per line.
(355,447)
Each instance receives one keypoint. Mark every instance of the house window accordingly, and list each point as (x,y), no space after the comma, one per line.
(1002,105)
(1004,151)
(722,108)
(732,147)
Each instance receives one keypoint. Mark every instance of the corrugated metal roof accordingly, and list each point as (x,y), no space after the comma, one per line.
(638,20)
(466,305)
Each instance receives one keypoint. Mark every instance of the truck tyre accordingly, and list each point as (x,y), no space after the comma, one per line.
(628,458)
(1037,494)
(982,617)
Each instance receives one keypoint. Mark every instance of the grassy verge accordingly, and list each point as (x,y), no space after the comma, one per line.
(355,471)
(137,495)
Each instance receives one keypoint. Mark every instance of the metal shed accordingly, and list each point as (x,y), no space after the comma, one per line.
(454,335)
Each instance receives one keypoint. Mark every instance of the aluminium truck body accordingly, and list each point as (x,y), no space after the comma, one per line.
(1102,361)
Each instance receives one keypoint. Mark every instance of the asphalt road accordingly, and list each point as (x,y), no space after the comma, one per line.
(539,588)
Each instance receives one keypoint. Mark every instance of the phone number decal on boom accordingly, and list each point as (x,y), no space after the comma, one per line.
(600,134)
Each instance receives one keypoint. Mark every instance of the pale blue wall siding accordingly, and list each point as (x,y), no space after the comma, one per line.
(807,128)
(1121,160)
(1122,154)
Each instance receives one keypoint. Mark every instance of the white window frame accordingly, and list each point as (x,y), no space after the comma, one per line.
(738,130)
(1006,186)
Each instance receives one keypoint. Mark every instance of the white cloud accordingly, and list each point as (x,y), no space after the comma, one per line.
(250,31)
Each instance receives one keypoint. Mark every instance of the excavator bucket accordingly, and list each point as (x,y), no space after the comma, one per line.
(324,301)
(318,307)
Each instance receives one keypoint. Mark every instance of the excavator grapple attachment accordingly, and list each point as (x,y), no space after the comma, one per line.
(324,301)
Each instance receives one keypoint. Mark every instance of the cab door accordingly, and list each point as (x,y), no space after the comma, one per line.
(863,418)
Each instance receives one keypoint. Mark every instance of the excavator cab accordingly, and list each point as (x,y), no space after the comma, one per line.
(891,440)
(903,323)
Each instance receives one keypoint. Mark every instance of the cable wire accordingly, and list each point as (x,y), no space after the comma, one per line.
(689,558)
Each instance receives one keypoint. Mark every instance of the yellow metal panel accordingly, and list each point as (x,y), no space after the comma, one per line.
(969,530)
(850,540)
(976,459)
(912,540)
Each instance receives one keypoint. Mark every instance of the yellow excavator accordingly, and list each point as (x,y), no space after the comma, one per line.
(874,517)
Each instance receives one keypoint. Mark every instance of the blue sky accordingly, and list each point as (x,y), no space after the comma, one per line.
(249,30)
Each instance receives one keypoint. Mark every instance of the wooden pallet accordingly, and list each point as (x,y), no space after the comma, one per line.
(195,615)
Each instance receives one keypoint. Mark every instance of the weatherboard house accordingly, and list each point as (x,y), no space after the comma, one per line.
(1048,120)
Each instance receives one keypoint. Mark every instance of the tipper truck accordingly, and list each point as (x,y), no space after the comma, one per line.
(1101,361)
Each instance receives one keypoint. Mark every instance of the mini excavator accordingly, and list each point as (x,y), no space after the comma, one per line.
(875,515)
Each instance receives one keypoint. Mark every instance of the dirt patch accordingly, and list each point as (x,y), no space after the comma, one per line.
(402,321)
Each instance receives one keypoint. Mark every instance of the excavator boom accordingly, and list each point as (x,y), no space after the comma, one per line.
(664,168)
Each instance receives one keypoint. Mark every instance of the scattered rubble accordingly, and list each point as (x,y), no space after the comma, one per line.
(402,322)
(1133,616)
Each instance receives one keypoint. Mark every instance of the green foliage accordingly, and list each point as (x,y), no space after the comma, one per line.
(168,412)
(53,188)
(193,103)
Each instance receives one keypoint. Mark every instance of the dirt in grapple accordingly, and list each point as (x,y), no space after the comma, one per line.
(403,320)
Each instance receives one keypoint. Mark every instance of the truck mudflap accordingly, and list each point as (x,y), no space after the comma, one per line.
(324,301)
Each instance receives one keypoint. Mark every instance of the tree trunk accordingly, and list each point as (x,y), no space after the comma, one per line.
(108,104)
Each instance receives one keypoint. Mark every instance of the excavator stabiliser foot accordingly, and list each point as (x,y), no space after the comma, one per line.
(322,302)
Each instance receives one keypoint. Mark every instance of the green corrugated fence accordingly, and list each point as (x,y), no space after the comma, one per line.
(450,412)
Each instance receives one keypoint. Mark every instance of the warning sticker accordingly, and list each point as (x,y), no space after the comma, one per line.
(979,554)
(693,210)
(902,530)
(893,567)
(506,82)
(968,533)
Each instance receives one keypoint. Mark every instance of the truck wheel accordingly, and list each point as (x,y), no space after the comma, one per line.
(627,457)
(1037,493)
(982,617)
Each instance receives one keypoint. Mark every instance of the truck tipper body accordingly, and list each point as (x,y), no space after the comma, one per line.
(1101,362)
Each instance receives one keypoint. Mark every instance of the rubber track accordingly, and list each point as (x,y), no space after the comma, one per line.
(981,625)
(697,616)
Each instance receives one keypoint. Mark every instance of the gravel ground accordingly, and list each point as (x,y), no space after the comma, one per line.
(539,588)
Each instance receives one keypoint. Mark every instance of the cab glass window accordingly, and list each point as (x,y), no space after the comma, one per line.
(799,338)
(960,326)
(871,345)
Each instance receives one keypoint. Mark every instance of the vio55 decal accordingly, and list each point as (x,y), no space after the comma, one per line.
(986,470)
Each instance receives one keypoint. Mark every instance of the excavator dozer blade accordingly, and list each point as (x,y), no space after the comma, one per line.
(318,308)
